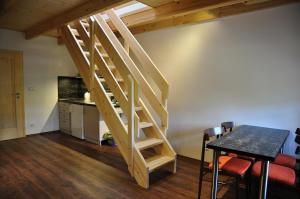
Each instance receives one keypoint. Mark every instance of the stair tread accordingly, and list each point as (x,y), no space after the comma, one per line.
(157,161)
(82,43)
(118,79)
(148,143)
(137,108)
(86,24)
(74,31)
(88,54)
(145,125)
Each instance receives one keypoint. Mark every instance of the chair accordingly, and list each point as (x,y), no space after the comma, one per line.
(284,176)
(287,160)
(298,131)
(230,166)
(229,126)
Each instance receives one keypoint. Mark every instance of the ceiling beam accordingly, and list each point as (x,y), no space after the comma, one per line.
(207,15)
(155,3)
(5,5)
(174,9)
(85,9)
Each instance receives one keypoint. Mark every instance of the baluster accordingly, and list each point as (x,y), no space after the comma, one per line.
(92,55)
(132,122)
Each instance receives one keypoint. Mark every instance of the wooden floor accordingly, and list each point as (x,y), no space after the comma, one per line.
(60,166)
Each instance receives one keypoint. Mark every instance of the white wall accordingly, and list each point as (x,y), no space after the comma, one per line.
(244,68)
(43,60)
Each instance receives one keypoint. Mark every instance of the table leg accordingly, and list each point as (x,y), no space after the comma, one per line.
(264,180)
(214,186)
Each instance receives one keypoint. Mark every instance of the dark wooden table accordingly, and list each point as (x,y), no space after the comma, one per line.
(259,142)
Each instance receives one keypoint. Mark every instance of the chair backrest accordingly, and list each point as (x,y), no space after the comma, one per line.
(298,131)
(227,126)
(208,133)
(216,131)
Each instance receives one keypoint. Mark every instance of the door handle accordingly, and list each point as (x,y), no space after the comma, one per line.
(17,95)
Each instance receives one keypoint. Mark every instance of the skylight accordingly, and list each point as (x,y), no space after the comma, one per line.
(127,9)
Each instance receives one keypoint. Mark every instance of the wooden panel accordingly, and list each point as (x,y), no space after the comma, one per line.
(11,95)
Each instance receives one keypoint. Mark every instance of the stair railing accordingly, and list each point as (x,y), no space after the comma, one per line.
(144,86)
(142,56)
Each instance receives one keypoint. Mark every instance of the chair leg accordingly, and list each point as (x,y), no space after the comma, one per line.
(237,187)
(248,185)
(200,182)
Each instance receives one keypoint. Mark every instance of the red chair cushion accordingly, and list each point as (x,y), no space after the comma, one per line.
(236,166)
(285,160)
(277,173)
(222,161)
(242,157)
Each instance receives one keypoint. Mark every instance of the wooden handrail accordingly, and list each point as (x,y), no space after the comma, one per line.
(142,56)
(123,61)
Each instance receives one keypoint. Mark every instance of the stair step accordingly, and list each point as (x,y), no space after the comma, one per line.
(74,31)
(144,125)
(85,24)
(138,108)
(103,80)
(157,161)
(87,53)
(82,43)
(148,143)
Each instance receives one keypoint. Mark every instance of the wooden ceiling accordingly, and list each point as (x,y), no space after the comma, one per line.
(20,15)
(35,17)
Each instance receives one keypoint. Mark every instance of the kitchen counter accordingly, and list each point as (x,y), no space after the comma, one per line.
(82,101)
(79,101)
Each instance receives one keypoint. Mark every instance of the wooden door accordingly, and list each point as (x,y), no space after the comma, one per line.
(11,95)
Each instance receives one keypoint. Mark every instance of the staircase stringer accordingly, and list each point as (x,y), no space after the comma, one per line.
(103,103)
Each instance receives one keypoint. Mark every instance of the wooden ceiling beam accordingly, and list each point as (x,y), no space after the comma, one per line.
(207,15)
(174,9)
(155,3)
(85,9)
(5,5)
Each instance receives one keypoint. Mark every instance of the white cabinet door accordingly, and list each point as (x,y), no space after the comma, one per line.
(77,120)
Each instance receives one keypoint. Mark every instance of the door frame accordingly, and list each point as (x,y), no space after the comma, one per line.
(19,87)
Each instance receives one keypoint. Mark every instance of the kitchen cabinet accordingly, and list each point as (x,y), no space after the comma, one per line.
(82,120)
(77,120)
(94,125)
(91,124)
(64,117)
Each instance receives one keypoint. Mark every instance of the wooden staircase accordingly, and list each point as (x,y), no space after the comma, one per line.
(105,62)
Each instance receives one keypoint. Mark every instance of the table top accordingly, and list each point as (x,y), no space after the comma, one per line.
(260,142)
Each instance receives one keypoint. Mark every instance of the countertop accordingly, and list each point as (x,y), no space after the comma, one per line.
(82,101)
(78,101)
